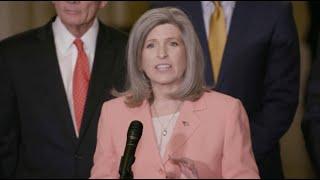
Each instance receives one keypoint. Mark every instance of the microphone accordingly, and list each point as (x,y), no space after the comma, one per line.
(128,158)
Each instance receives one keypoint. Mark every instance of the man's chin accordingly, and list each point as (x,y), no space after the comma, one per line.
(73,22)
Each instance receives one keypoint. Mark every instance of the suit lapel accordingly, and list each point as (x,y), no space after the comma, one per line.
(186,125)
(100,77)
(236,38)
(52,80)
(195,12)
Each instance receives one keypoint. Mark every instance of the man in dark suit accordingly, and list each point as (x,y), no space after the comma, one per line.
(260,66)
(314,29)
(54,80)
(311,119)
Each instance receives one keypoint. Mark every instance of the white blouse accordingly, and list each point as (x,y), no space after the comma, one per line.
(162,124)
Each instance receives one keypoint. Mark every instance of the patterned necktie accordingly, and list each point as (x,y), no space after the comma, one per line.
(81,77)
(217,38)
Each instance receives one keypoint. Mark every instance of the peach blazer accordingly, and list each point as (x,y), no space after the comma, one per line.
(213,132)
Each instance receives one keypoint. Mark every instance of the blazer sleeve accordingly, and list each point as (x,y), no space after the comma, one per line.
(311,120)
(281,84)
(105,165)
(238,159)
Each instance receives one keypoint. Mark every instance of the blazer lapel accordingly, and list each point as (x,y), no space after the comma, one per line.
(186,125)
(52,80)
(100,77)
(236,38)
(148,140)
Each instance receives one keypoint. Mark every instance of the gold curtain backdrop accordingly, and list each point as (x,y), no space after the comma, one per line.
(295,160)
(18,16)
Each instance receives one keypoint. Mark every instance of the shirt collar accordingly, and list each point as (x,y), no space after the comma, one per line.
(64,39)
(224,4)
(90,37)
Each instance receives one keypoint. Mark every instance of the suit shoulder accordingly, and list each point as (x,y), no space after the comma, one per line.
(269,7)
(217,98)
(115,103)
(115,33)
(281,7)
(177,4)
(20,39)
(267,4)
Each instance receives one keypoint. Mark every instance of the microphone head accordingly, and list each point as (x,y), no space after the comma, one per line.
(135,130)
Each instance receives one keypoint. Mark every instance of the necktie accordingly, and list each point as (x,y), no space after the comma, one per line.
(81,78)
(217,38)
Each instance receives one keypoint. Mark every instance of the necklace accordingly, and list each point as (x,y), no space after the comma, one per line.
(164,129)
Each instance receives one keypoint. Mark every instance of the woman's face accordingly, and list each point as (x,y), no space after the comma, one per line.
(164,55)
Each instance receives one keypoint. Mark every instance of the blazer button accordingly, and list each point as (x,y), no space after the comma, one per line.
(161,171)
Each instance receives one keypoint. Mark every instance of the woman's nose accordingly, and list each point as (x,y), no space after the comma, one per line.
(162,52)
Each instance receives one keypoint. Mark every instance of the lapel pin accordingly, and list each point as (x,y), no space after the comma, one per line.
(185,123)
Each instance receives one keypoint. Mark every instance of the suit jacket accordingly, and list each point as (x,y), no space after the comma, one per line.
(37,137)
(212,131)
(314,29)
(261,67)
(311,120)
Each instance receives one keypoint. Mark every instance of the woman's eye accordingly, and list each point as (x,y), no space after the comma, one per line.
(150,45)
(174,44)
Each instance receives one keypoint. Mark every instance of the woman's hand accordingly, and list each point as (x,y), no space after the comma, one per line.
(187,167)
